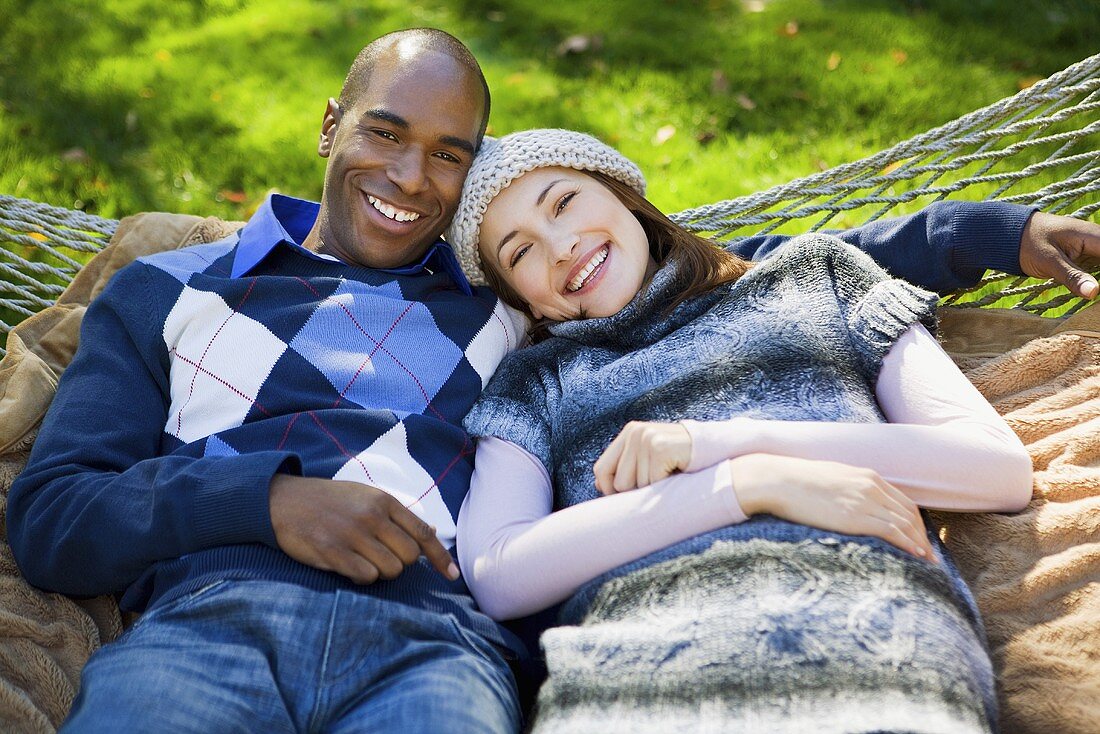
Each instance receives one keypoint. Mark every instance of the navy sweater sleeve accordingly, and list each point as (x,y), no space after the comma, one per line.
(945,246)
(98,504)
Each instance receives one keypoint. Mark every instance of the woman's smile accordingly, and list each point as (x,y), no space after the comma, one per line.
(565,244)
(589,272)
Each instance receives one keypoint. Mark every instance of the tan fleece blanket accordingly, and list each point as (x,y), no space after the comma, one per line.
(1036,574)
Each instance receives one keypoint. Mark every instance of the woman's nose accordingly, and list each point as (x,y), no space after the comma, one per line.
(563,244)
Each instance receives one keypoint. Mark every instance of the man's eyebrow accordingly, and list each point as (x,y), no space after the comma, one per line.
(464,145)
(453,141)
(385,115)
(538,202)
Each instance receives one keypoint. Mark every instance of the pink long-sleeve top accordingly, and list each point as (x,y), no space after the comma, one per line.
(944,447)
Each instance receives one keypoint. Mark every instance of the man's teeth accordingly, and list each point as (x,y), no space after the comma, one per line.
(394,213)
(577,282)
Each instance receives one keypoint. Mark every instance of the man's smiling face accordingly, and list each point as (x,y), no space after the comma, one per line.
(397,158)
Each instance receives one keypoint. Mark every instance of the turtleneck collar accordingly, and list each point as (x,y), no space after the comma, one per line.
(643,320)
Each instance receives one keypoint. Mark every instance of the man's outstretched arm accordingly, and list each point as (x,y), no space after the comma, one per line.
(949,245)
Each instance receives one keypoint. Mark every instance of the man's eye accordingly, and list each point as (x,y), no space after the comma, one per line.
(384,134)
(448,157)
(564,202)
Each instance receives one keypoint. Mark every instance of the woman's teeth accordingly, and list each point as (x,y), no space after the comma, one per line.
(392,212)
(582,276)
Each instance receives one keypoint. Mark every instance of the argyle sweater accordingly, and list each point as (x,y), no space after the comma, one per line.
(192,388)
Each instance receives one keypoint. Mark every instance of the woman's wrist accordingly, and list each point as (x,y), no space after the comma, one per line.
(748,490)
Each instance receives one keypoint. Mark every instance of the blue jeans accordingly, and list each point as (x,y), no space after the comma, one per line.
(257,656)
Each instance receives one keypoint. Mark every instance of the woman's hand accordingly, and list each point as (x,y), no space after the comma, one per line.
(830,496)
(642,453)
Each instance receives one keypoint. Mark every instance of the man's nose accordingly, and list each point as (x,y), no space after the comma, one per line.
(408,173)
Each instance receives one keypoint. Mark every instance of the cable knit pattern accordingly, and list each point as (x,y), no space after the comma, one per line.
(766,625)
(502,160)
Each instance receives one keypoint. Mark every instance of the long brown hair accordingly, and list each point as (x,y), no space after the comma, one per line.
(703,264)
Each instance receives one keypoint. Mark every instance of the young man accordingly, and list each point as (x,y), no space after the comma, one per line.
(259,444)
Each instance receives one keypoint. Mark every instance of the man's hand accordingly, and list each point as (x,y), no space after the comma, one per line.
(1051,244)
(642,453)
(353,529)
(830,496)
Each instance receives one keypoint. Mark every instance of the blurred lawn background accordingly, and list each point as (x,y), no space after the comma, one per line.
(204,106)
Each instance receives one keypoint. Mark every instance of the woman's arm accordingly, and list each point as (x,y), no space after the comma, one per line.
(518,556)
(945,446)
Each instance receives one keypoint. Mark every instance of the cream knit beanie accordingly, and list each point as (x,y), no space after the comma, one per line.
(500,161)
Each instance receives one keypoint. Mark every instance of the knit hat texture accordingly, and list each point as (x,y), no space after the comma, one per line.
(502,160)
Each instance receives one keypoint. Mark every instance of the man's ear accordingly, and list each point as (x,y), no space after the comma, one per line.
(333,113)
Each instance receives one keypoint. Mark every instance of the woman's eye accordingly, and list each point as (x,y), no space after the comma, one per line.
(564,202)
(518,255)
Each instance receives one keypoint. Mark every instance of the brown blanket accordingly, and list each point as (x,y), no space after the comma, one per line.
(1036,574)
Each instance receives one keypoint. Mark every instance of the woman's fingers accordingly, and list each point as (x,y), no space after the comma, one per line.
(904,507)
(605,466)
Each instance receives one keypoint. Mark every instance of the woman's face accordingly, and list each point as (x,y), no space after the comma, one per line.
(565,244)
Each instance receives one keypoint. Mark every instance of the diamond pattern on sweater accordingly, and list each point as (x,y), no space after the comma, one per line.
(500,335)
(220,359)
(387,465)
(369,333)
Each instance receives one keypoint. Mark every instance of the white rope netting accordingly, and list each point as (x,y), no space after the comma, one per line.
(1040,146)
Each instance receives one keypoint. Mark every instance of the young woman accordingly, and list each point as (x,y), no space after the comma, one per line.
(717,468)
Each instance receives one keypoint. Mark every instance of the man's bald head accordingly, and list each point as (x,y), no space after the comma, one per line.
(411,41)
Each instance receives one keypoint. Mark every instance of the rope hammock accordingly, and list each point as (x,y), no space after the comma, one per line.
(1039,147)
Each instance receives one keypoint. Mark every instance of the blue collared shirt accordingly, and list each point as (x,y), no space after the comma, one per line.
(287,220)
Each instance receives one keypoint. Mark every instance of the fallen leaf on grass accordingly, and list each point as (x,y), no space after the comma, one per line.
(899,56)
(1027,81)
(719,82)
(579,44)
(833,62)
(37,236)
(663,134)
(890,168)
(790,29)
(745,102)
(75,155)
(236,197)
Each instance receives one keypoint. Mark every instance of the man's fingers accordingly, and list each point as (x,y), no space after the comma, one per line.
(380,557)
(424,536)
(399,542)
(1063,270)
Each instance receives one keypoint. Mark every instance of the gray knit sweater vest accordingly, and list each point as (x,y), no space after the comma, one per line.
(784,607)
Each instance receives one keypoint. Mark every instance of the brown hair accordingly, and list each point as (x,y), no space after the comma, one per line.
(703,264)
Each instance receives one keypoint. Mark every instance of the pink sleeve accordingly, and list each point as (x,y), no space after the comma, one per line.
(518,556)
(944,446)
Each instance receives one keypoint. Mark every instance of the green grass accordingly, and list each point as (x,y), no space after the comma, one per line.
(120,106)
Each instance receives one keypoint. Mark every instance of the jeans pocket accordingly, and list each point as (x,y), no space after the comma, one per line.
(475,642)
(176,603)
